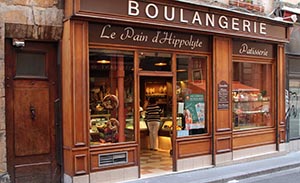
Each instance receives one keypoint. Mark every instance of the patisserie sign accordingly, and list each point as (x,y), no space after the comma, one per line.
(245,49)
(251,48)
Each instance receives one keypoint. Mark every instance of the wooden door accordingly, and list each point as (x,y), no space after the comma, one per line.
(31,89)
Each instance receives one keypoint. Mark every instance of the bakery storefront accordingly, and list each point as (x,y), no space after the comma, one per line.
(217,76)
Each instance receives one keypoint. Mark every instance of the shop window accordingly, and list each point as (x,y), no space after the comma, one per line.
(111,96)
(155,61)
(252,89)
(294,108)
(191,95)
(293,105)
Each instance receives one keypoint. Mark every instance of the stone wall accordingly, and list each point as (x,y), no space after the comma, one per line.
(26,19)
(32,19)
(2,102)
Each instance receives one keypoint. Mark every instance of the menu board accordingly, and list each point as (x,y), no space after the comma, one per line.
(194,107)
(223,95)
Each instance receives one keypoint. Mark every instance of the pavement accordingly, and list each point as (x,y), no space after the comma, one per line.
(229,173)
(4,178)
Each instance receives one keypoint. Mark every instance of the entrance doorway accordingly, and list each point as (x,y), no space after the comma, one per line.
(154,161)
(31,91)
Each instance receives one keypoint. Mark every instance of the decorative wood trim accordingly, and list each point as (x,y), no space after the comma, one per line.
(222,66)
(194,148)
(280,93)
(223,144)
(282,135)
(174,114)
(238,58)
(75,97)
(245,139)
(80,164)
(80,82)
(223,129)
(156,73)
(69,4)
(137,115)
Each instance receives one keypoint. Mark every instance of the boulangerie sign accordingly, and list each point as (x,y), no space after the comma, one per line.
(182,16)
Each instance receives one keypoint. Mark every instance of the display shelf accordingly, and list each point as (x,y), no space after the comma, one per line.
(251,112)
(251,108)
(156,95)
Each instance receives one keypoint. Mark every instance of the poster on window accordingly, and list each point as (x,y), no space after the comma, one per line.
(194,108)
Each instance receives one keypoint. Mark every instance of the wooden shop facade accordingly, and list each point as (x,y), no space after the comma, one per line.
(218,76)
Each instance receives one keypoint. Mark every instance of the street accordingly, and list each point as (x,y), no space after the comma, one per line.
(285,176)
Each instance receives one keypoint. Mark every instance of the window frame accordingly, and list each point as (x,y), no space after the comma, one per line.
(273,100)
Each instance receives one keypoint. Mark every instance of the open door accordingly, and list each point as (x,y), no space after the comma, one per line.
(157,159)
(156,82)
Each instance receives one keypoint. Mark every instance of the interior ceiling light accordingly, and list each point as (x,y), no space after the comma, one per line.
(140,69)
(103,61)
(181,70)
(160,64)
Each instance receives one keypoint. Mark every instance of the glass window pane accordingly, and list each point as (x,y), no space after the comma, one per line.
(30,65)
(294,108)
(293,105)
(111,96)
(155,61)
(252,95)
(191,94)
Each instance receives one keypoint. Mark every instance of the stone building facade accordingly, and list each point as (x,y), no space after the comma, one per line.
(2,107)
(34,20)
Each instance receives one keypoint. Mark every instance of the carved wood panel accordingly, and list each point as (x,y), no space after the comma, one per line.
(256,138)
(194,148)
(223,143)
(222,62)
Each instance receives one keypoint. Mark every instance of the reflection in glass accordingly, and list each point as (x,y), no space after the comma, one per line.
(191,94)
(252,89)
(111,96)
(294,108)
(293,92)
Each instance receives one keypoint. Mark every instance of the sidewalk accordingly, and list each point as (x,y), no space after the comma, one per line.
(4,177)
(230,172)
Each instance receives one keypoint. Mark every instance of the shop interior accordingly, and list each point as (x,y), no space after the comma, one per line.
(160,161)
(112,99)
(112,105)
(251,95)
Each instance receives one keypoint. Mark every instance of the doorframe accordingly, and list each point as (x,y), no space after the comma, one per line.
(174,107)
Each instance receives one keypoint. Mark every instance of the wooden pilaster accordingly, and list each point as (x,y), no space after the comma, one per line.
(75,97)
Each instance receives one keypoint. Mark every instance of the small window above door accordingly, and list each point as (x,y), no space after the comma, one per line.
(155,61)
(31,65)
